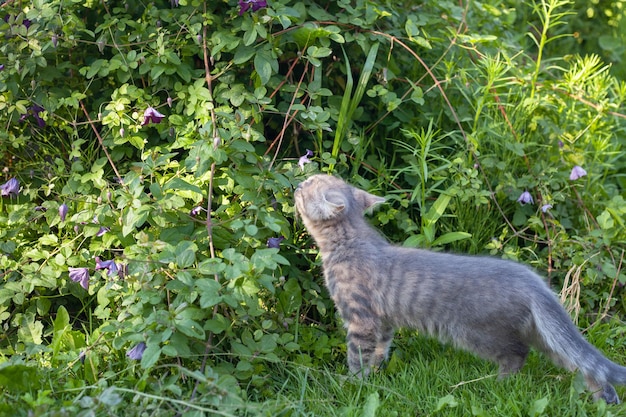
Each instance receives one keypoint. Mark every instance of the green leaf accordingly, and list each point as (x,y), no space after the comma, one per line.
(437,209)
(451,237)
(30,330)
(190,328)
(185,253)
(538,407)
(605,220)
(349,103)
(61,326)
(447,401)
(182,185)
(19,378)
(371,405)
(150,355)
(263,66)
(209,290)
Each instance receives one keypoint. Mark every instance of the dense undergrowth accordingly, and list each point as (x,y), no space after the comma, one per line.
(150,261)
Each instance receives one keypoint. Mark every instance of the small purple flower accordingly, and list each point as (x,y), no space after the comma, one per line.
(304,159)
(10,188)
(274,242)
(151,115)
(80,275)
(525,198)
(63,209)
(195,211)
(245,5)
(34,111)
(54,39)
(546,207)
(136,353)
(1,67)
(111,266)
(102,231)
(577,172)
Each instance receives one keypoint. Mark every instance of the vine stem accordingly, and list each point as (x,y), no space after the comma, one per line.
(209,220)
(104,148)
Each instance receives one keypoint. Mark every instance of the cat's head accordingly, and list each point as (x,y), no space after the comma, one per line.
(324,198)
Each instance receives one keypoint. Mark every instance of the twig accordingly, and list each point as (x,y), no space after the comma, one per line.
(460,384)
(106,151)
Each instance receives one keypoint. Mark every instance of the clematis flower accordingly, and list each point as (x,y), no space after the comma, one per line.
(525,198)
(63,209)
(151,115)
(136,353)
(274,242)
(304,159)
(80,275)
(102,231)
(577,172)
(34,111)
(546,207)
(111,266)
(10,188)
(245,5)
(195,211)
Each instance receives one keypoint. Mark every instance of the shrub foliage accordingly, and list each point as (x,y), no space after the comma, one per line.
(148,242)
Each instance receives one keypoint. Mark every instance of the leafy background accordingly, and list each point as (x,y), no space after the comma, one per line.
(201,283)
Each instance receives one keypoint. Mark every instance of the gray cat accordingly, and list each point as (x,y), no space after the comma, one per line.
(492,307)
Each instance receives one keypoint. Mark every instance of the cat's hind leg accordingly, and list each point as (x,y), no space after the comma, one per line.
(507,350)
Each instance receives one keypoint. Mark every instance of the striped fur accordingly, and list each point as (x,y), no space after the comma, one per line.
(495,308)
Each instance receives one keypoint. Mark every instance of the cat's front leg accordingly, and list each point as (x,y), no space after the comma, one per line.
(362,347)
(383,341)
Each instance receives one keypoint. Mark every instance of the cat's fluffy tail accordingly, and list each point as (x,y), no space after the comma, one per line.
(563,342)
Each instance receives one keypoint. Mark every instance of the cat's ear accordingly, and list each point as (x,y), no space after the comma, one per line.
(334,202)
(366,200)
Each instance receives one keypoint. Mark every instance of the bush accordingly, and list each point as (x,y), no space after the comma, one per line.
(151,245)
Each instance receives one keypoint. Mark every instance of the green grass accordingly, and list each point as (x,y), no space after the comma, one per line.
(422,378)
(426,378)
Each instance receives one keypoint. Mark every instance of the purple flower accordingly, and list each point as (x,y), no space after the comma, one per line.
(63,209)
(102,231)
(80,275)
(304,159)
(577,172)
(274,242)
(136,353)
(151,115)
(245,5)
(1,67)
(195,211)
(525,198)
(546,207)
(34,111)
(10,188)
(111,266)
